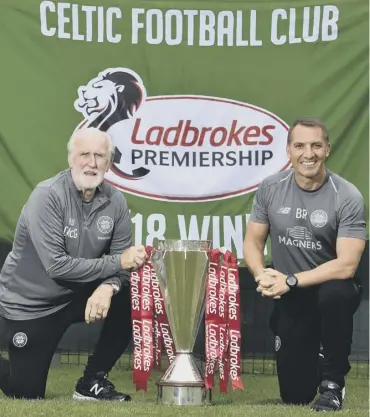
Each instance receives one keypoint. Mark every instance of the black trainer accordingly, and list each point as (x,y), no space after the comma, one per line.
(97,389)
(330,399)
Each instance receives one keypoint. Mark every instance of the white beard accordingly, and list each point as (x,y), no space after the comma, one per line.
(87,182)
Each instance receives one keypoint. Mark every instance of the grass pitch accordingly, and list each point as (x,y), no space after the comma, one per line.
(260,399)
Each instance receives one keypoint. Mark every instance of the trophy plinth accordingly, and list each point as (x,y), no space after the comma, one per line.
(181,268)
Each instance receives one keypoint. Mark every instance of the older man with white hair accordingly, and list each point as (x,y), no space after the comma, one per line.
(70,262)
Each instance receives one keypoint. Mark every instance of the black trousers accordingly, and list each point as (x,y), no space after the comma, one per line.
(301,321)
(25,374)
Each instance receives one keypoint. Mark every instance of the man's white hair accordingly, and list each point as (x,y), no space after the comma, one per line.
(91,132)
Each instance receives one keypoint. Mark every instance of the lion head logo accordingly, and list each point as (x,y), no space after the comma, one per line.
(113,96)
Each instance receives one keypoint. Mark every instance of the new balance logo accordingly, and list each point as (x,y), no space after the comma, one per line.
(95,389)
(336,402)
(284,210)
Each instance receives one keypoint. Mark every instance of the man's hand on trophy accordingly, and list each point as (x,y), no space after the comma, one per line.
(133,257)
(98,304)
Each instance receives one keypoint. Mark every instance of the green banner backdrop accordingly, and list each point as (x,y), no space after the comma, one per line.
(197,96)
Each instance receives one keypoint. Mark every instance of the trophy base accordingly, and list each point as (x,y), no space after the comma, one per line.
(182,395)
(183,383)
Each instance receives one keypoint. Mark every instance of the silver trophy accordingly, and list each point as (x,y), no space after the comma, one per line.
(181,268)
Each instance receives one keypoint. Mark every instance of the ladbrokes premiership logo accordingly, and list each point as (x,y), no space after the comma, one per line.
(181,148)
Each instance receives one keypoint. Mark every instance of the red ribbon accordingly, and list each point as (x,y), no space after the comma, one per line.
(150,328)
(162,334)
(158,309)
(211,317)
(147,324)
(234,323)
(223,338)
(137,329)
(142,325)
(223,328)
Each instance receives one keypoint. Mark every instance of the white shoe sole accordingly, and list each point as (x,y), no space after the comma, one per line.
(80,397)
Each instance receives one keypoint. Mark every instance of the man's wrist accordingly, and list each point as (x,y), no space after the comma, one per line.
(109,286)
(115,288)
(257,273)
(122,260)
(291,281)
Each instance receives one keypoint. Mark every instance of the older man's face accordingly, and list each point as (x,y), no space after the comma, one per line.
(89,161)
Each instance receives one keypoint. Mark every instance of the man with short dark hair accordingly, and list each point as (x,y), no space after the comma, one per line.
(315,220)
(70,262)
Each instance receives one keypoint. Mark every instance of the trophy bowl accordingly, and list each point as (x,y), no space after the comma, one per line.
(181,269)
